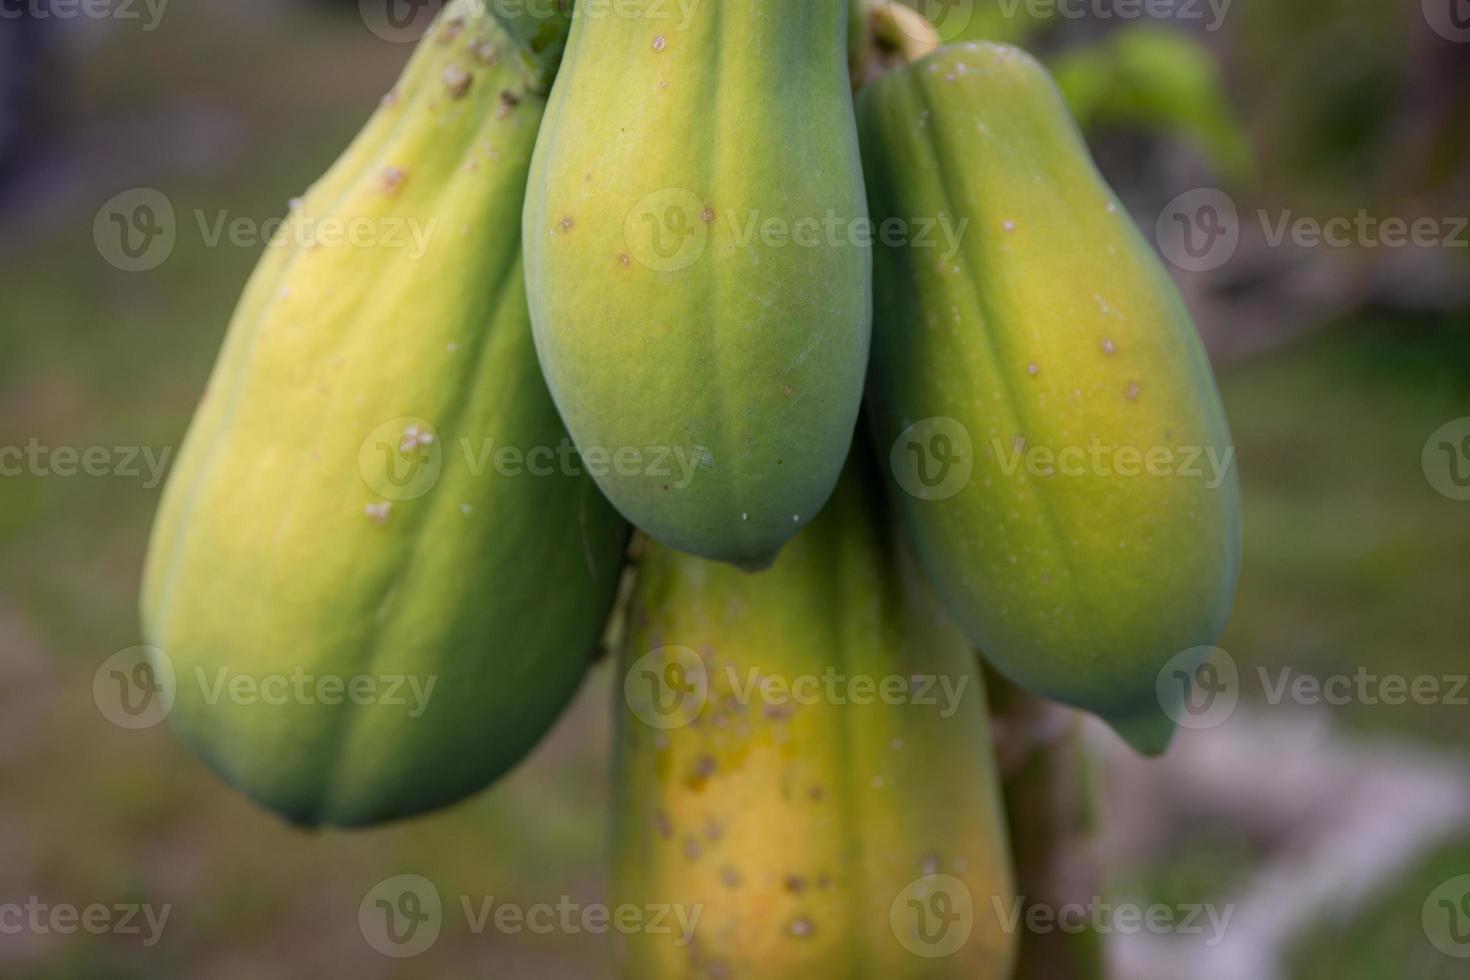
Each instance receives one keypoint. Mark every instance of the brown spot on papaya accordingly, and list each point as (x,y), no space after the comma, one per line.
(508,102)
(567,223)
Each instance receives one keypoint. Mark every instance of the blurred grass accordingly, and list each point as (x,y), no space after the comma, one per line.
(1351,559)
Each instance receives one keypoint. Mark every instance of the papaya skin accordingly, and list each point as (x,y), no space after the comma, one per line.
(699,303)
(1052,329)
(291,540)
(795,829)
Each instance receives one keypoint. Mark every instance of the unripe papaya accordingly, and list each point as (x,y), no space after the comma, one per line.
(699,278)
(1062,457)
(363,619)
(804,781)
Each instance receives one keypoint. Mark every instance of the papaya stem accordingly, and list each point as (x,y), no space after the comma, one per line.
(905,30)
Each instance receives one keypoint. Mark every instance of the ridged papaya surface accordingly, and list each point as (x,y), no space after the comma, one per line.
(804,781)
(699,281)
(1060,450)
(367,610)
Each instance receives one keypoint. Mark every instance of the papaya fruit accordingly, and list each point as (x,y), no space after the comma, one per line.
(374,587)
(1057,445)
(803,781)
(699,280)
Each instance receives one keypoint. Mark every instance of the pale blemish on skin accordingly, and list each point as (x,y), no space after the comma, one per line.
(379,513)
(1108,347)
(660,42)
(391,180)
(567,224)
(457,81)
(1133,390)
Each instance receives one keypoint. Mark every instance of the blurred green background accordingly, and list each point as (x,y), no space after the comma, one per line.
(1336,366)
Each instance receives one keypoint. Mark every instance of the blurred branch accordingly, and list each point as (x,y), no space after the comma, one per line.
(1049,809)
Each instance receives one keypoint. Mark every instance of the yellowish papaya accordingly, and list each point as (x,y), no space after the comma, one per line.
(365,607)
(1057,445)
(804,785)
(698,274)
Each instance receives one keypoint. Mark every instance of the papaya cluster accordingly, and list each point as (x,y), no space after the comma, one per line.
(648,304)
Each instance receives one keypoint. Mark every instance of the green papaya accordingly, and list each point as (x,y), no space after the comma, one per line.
(699,279)
(1058,445)
(364,608)
(803,780)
